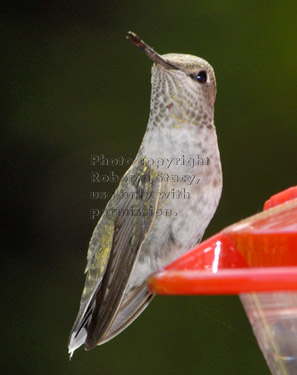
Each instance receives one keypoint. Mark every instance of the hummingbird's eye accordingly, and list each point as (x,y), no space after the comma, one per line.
(200,77)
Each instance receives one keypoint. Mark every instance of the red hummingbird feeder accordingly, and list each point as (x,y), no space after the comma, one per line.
(257,259)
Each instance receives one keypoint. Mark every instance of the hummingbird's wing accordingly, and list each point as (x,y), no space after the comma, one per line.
(113,250)
(131,307)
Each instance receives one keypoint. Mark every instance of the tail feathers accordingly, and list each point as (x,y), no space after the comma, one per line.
(79,331)
(76,340)
(132,306)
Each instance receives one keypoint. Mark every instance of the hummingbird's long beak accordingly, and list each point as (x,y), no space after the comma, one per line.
(149,51)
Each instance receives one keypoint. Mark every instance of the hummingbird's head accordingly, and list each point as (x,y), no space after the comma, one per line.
(190,73)
(183,86)
(185,80)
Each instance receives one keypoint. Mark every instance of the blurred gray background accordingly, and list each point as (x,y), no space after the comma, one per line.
(72,86)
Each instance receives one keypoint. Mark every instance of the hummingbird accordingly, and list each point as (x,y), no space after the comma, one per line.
(163,203)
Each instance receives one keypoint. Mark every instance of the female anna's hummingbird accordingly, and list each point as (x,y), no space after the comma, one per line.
(163,203)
